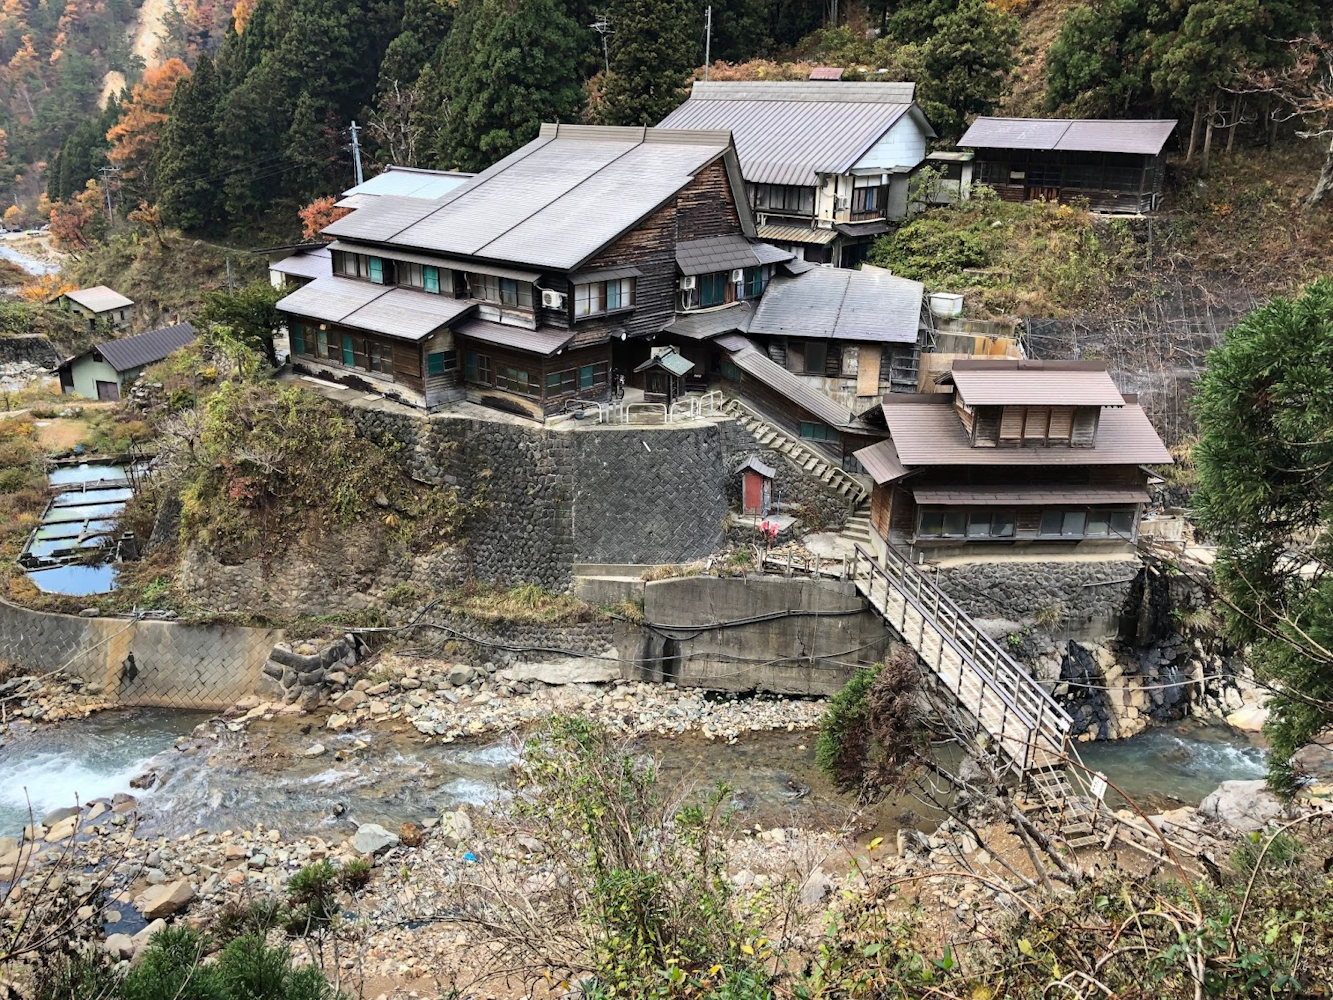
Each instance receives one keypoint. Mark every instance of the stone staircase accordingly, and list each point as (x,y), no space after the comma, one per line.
(796,452)
(857,529)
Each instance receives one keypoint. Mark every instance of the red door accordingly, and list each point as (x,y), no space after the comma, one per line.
(754,493)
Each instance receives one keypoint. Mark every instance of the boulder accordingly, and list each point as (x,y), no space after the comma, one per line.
(147,934)
(119,946)
(817,888)
(166,899)
(56,815)
(371,838)
(461,674)
(1245,806)
(1248,718)
(455,828)
(63,830)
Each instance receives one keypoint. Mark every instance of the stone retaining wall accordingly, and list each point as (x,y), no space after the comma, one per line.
(139,662)
(1076,595)
(31,349)
(593,638)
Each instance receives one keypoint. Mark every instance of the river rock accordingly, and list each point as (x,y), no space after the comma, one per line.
(164,900)
(8,845)
(119,947)
(1249,718)
(1245,806)
(147,934)
(371,838)
(56,815)
(817,887)
(314,750)
(63,830)
(461,674)
(455,828)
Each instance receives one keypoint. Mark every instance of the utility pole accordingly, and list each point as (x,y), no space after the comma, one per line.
(708,41)
(603,27)
(106,173)
(356,153)
(230,286)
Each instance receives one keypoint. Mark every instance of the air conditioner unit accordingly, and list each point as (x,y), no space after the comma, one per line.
(687,283)
(737,276)
(551,299)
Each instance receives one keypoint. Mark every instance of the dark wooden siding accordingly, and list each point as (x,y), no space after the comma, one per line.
(706,206)
(651,247)
(539,401)
(1109,182)
(881,504)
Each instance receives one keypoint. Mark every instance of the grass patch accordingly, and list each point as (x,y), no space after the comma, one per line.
(526,602)
(23,496)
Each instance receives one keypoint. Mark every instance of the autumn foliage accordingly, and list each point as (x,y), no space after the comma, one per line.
(45,288)
(319,213)
(134,138)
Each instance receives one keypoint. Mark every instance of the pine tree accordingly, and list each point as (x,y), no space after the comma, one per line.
(507,66)
(188,171)
(311,151)
(657,43)
(425,26)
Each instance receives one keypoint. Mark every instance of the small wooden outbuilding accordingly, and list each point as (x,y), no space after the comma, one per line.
(756,487)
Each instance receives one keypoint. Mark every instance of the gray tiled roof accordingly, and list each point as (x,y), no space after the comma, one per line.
(394,312)
(714,253)
(129,353)
(839,304)
(788,133)
(1095,135)
(308,264)
(926,431)
(757,365)
(543,340)
(99,298)
(712,322)
(410,182)
(766,253)
(554,203)
(669,360)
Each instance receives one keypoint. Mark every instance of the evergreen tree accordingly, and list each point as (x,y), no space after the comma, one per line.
(915,22)
(657,43)
(1099,64)
(425,26)
(188,171)
(966,64)
(1265,465)
(507,66)
(311,151)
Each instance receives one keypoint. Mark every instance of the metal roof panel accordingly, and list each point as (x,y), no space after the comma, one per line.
(757,365)
(1027,495)
(147,348)
(1144,136)
(1019,382)
(544,340)
(313,264)
(839,304)
(331,298)
(99,298)
(408,314)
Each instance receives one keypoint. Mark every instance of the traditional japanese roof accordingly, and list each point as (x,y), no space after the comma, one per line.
(796,234)
(1020,382)
(752,463)
(881,462)
(1083,135)
(1027,495)
(710,323)
(839,304)
(316,263)
(714,253)
(757,365)
(789,133)
(671,361)
(99,298)
(736,342)
(926,431)
(545,340)
(410,182)
(386,309)
(130,353)
(554,203)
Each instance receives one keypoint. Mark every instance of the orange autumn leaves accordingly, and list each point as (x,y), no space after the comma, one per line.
(135,137)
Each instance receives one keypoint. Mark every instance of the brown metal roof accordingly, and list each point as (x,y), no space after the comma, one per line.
(1020,382)
(757,365)
(826,73)
(544,340)
(926,431)
(881,462)
(1027,495)
(1087,135)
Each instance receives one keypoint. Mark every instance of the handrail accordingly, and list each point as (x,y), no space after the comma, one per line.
(837,472)
(984,681)
(1005,659)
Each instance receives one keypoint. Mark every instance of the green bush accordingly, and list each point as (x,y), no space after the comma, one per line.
(842,729)
(16,478)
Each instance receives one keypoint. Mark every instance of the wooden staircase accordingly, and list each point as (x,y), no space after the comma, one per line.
(1007,714)
(796,452)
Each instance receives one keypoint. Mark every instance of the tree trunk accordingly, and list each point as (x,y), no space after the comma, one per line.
(1324,185)
(1208,133)
(1194,130)
(1235,123)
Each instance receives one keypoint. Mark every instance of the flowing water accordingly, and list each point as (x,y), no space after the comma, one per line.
(33,265)
(374,775)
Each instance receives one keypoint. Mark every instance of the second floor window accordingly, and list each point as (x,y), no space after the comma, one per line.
(502,291)
(868,201)
(756,280)
(423,276)
(789,199)
(603,296)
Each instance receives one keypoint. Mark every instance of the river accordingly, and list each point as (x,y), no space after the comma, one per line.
(33,265)
(377,775)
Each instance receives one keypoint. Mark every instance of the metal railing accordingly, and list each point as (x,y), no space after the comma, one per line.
(632,410)
(999,694)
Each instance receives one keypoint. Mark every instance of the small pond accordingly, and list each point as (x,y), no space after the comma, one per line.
(81,519)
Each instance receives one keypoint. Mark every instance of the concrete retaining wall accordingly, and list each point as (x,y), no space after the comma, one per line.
(786,655)
(140,663)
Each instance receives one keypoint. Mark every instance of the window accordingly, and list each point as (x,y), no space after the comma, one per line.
(867,201)
(559,383)
(422,276)
(348,359)
(978,523)
(297,338)
(504,291)
(1064,523)
(818,432)
(619,294)
(322,343)
(484,286)
(515,380)
(816,357)
(439,362)
(756,280)
(589,299)
(785,198)
(381,357)
(430,278)
(377,270)
(713,288)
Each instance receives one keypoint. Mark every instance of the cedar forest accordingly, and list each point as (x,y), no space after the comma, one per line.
(244,114)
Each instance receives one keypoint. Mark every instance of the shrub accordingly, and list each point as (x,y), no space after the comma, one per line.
(871,737)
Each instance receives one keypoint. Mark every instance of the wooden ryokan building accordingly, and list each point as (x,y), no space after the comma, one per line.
(1020,454)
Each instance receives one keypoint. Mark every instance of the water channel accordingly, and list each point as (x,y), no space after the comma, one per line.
(33,265)
(374,775)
